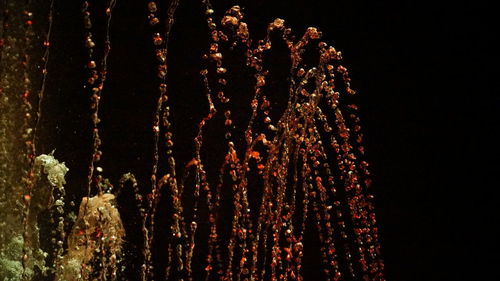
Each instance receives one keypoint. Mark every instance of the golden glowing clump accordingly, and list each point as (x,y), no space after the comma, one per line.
(95,239)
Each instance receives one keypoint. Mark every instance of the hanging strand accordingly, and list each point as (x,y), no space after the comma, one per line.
(45,60)
(160,41)
(95,83)
(28,174)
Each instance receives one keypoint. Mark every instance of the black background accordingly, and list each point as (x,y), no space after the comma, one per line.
(427,92)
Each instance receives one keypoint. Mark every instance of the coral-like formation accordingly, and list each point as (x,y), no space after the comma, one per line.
(95,241)
(54,170)
(10,263)
(49,174)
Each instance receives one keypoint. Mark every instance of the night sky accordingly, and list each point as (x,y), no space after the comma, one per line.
(427,97)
